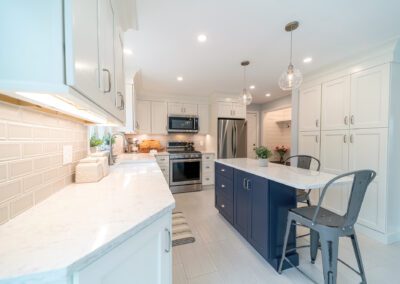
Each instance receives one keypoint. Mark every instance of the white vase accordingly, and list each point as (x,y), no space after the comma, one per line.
(263,162)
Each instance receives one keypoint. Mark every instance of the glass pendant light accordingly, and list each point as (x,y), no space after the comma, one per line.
(245,96)
(292,77)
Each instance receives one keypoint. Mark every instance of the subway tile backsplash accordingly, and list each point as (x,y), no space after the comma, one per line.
(31,167)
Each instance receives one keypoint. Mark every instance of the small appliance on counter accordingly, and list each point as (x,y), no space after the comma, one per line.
(184,167)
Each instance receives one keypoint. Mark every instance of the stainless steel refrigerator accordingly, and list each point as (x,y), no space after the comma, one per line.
(232,138)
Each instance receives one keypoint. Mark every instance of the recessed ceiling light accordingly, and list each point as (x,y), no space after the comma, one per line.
(128,51)
(201,38)
(268,95)
(307,59)
(252,87)
(179,78)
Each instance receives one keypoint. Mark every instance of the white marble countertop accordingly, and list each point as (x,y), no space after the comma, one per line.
(291,176)
(82,222)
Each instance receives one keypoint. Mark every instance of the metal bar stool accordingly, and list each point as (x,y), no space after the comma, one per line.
(303,162)
(327,227)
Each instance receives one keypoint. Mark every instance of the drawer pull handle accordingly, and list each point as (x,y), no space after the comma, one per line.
(207,167)
(223,205)
(168,249)
(222,170)
(207,178)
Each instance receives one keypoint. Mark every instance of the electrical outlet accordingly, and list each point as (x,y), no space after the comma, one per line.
(67,154)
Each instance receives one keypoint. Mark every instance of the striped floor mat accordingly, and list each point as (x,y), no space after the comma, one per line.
(181,233)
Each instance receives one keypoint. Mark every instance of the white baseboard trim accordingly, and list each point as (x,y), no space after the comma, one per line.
(387,239)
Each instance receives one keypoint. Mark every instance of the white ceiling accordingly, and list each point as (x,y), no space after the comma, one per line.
(165,45)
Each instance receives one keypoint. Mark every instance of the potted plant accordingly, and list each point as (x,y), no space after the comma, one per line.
(263,153)
(109,140)
(281,150)
(95,142)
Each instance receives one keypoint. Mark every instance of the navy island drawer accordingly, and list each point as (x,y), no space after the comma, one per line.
(225,207)
(226,171)
(224,186)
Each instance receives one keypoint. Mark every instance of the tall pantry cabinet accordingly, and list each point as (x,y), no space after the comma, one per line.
(350,123)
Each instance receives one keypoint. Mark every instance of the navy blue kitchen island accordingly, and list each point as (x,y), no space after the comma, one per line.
(256,200)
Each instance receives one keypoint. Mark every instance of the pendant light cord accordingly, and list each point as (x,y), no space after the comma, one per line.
(244,77)
(291,46)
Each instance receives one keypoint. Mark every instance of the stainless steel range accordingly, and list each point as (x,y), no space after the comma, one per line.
(184,167)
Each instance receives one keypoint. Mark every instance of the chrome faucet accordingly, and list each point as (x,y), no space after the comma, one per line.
(112,156)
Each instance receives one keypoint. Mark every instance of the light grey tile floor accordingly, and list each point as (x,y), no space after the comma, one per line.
(221,255)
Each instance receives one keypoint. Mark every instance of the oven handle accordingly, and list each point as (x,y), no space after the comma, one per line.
(185,160)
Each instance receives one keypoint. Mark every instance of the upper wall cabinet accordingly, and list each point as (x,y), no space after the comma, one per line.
(143,117)
(370,97)
(120,87)
(310,109)
(159,117)
(231,110)
(204,120)
(64,48)
(182,109)
(335,104)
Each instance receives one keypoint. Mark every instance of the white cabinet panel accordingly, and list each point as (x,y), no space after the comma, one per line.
(370,97)
(310,109)
(182,108)
(190,109)
(335,160)
(335,104)
(204,119)
(239,110)
(143,117)
(309,143)
(224,110)
(82,62)
(175,108)
(368,150)
(106,53)
(144,258)
(159,117)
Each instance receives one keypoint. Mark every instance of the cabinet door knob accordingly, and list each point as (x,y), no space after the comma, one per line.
(207,178)
(222,170)
(346,120)
(222,185)
(317,123)
(345,138)
(223,205)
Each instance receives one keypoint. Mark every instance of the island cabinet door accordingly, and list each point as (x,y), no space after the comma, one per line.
(258,233)
(242,199)
(146,257)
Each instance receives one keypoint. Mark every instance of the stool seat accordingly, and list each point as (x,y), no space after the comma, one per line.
(325,217)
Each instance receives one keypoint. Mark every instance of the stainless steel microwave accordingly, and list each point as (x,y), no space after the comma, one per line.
(183,124)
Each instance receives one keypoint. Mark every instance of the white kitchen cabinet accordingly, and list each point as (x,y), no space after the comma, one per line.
(182,109)
(368,150)
(70,53)
(309,143)
(231,110)
(310,108)
(146,257)
(370,97)
(163,163)
(159,117)
(207,169)
(120,87)
(335,160)
(204,118)
(82,70)
(335,109)
(143,117)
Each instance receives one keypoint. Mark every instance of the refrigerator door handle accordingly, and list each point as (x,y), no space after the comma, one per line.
(235,140)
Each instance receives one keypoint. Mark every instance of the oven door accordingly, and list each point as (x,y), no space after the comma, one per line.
(180,124)
(184,171)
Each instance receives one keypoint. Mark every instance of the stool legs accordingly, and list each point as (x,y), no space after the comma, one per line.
(330,250)
(288,225)
(358,257)
(314,242)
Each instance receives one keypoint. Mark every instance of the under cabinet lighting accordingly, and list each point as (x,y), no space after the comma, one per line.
(62,105)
